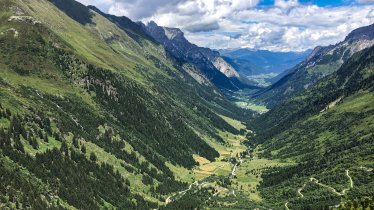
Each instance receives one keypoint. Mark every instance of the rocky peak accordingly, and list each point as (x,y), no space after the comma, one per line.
(208,61)
(173,33)
(363,33)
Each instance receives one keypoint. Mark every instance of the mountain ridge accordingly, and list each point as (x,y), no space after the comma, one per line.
(210,63)
(322,62)
(98,110)
(327,130)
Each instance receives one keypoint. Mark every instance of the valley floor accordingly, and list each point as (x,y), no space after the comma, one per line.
(242,99)
(231,180)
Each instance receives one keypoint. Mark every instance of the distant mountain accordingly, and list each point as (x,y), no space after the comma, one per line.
(209,62)
(251,62)
(321,62)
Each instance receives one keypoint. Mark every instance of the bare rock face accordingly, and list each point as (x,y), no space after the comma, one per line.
(173,33)
(225,68)
(209,62)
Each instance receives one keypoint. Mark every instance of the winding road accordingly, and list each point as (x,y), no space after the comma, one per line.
(366,169)
(316,181)
(333,189)
(300,189)
(286,206)
(168,199)
(350,178)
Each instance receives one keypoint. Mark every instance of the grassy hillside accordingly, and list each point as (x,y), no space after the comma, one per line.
(92,110)
(328,131)
(355,75)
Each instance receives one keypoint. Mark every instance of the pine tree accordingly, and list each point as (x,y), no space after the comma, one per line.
(18,145)
(93,157)
(75,142)
(8,113)
(34,143)
(64,148)
(41,136)
(83,149)
(46,138)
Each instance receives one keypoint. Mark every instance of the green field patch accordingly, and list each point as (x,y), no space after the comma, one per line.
(248,176)
(43,146)
(234,123)
(252,106)
(181,173)
(242,99)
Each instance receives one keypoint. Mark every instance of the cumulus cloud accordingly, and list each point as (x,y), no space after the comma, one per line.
(139,9)
(287,25)
(286,4)
(200,15)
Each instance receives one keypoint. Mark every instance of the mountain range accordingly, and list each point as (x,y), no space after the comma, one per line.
(251,62)
(321,62)
(261,67)
(209,62)
(100,112)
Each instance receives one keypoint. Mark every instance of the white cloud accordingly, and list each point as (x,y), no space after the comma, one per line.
(138,9)
(102,4)
(365,1)
(200,15)
(285,26)
(286,4)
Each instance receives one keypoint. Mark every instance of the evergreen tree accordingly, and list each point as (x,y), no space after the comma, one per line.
(75,142)
(83,149)
(64,148)
(45,138)
(93,157)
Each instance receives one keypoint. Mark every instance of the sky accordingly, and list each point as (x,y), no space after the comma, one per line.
(276,25)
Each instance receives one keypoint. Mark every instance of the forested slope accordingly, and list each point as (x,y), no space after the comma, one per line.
(92,110)
(328,132)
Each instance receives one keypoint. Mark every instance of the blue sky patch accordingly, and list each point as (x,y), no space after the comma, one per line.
(321,3)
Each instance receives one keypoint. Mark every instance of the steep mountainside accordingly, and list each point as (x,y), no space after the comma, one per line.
(328,132)
(93,113)
(312,152)
(210,63)
(322,62)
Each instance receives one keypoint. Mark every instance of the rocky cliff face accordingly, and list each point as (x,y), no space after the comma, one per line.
(209,62)
(225,68)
